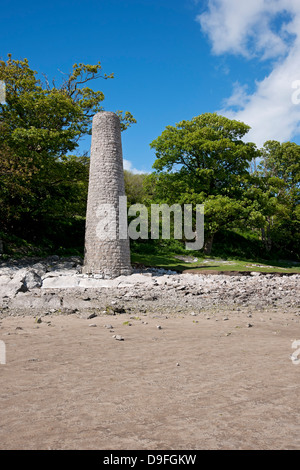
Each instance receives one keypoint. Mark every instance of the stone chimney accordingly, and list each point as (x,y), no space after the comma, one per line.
(106,252)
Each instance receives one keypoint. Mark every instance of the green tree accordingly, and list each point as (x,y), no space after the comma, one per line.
(205,161)
(41,124)
(280,171)
(209,148)
(282,160)
(134,187)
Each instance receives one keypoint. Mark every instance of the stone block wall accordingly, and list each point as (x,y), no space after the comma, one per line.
(111,257)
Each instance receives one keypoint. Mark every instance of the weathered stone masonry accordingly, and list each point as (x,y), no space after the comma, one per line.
(109,258)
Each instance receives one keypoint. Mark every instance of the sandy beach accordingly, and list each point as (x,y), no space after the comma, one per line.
(214,379)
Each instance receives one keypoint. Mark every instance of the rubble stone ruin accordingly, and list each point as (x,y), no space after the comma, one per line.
(106,256)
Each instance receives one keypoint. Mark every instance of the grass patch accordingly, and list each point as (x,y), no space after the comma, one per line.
(232,251)
(214,264)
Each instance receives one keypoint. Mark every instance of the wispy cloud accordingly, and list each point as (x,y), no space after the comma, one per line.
(239,98)
(247,27)
(268,30)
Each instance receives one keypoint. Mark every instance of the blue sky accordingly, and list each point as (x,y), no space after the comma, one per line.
(172,60)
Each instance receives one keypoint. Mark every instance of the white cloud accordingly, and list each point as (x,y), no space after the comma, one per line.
(127,165)
(239,97)
(244,27)
(247,29)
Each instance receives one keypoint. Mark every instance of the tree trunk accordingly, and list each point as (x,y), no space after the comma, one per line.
(266,237)
(208,244)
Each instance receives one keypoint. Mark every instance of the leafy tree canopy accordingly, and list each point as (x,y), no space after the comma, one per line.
(45,118)
(282,160)
(209,149)
(41,124)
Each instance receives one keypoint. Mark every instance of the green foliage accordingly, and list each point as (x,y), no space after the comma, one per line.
(43,187)
(134,187)
(205,161)
(280,172)
(209,149)
(282,161)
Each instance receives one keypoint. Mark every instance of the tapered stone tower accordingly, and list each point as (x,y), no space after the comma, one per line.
(107,251)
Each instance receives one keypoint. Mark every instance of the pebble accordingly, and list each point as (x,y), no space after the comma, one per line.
(92,315)
(255,291)
(118,337)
